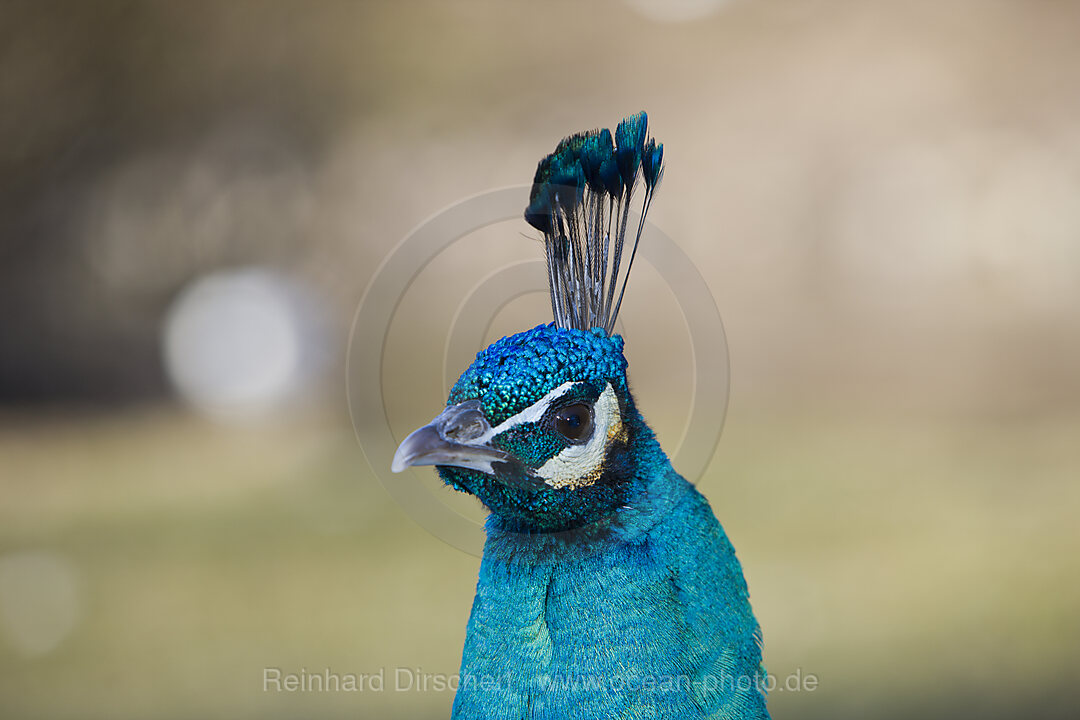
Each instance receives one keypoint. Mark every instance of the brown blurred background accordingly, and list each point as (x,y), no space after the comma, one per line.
(883,196)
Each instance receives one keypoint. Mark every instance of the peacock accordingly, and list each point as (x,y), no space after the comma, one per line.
(607,587)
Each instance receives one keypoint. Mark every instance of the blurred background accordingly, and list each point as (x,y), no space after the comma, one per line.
(883,196)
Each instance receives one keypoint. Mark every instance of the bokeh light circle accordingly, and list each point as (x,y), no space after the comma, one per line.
(41,600)
(233,343)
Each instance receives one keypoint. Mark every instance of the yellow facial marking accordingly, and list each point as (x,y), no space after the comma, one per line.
(580,465)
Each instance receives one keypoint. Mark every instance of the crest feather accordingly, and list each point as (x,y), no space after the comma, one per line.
(581,202)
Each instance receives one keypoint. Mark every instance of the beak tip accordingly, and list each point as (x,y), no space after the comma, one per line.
(410,449)
(400,463)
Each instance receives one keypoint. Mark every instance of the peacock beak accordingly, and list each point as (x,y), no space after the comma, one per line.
(459,436)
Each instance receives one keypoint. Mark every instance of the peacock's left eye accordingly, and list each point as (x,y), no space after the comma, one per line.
(574,422)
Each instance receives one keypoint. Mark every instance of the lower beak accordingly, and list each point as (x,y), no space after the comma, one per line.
(460,436)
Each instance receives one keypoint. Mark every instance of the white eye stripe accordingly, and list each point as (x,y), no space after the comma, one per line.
(576,464)
(531,414)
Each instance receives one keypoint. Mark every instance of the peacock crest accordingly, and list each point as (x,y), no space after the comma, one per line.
(582,200)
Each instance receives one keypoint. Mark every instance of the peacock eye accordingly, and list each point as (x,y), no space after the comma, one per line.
(574,422)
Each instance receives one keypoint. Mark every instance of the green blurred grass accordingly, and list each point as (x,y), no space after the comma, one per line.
(913,566)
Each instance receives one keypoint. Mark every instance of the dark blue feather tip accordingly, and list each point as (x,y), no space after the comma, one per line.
(630,145)
(581,202)
(652,163)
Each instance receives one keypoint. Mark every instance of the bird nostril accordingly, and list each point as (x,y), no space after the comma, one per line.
(464,427)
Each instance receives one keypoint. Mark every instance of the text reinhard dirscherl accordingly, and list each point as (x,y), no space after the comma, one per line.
(403,679)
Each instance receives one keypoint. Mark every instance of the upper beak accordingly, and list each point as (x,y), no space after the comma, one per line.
(459,436)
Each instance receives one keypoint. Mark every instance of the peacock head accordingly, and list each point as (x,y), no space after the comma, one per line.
(542,427)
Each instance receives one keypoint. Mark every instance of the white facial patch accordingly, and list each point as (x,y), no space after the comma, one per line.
(576,465)
(579,465)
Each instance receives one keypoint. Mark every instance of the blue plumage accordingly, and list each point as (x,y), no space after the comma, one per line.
(607,588)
